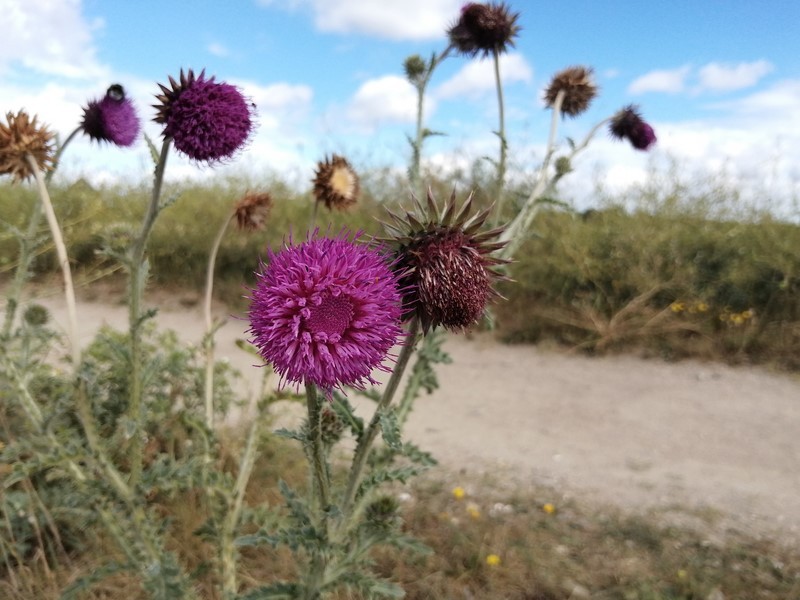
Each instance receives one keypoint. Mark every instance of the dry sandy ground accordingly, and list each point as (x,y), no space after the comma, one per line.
(640,434)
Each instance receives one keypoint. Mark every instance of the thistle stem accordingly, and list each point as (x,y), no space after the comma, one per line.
(364,444)
(499,195)
(209,337)
(137,284)
(319,465)
(63,260)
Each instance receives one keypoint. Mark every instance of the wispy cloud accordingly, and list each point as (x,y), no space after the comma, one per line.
(219,50)
(407,20)
(387,99)
(52,38)
(477,76)
(670,81)
(725,77)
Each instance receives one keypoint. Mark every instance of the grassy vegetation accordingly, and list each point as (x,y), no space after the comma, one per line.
(680,271)
(545,549)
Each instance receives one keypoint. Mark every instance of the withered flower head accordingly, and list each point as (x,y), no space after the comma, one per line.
(111,119)
(414,67)
(484,28)
(208,120)
(252,211)
(628,124)
(579,90)
(336,183)
(19,137)
(445,263)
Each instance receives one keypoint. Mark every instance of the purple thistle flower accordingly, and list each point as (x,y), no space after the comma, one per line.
(628,124)
(112,119)
(208,121)
(326,311)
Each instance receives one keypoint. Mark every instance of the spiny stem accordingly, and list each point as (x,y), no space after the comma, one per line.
(136,293)
(362,450)
(319,465)
(63,259)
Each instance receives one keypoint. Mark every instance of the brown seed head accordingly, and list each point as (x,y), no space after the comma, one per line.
(21,136)
(579,90)
(252,211)
(484,28)
(445,262)
(336,183)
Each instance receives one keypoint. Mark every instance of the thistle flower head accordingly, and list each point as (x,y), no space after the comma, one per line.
(484,28)
(21,136)
(578,87)
(336,183)
(414,67)
(208,120)
(326,311)
(445,263)
(252,211)
(111,119)
(628,124)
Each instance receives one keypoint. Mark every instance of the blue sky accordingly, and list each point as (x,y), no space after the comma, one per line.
(719,80)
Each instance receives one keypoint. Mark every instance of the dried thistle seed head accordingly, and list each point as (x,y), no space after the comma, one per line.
(21,136)
(445,263)
(484,28)
(336,183)
(208,121)
(579,90)
(628,124)
(111,119)
(252,211)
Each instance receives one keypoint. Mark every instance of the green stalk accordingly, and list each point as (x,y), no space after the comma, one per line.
(136,293)
(209,337)
(363,448)
(319,466)
(499,189)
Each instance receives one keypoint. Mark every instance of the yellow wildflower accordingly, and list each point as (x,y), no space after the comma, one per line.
(737,319)
(493,560)
(748,314)
(473,510)
(458,492)
(677,307)
(549,508)
(682,574)
(701,307)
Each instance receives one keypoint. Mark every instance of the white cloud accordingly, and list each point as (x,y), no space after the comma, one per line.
(670,81)
(48,37)
(217,49)
(387,99)
(407,20)
(477,76)
(721,77)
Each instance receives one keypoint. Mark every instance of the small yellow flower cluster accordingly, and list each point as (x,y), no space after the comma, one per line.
(459,493)
(493,560)
(549,508)
(737,319)
(689,307)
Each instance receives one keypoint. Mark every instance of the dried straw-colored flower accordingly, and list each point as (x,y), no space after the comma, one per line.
(579,90)
(336,183)
(21,136)
(252,211)
(445,263)
(484,28)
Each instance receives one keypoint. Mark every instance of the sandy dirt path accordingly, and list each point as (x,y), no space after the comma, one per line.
(639,434)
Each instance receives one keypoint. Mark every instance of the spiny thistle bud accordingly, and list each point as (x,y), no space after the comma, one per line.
(445,263)
(21,136)
(36,315)
(484,28)
(208,121)
(628,124)
(336,183)
(414,67)
(252,211)
(563,166)
(331,426)
(381,514)
(112,119)
(579,90)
